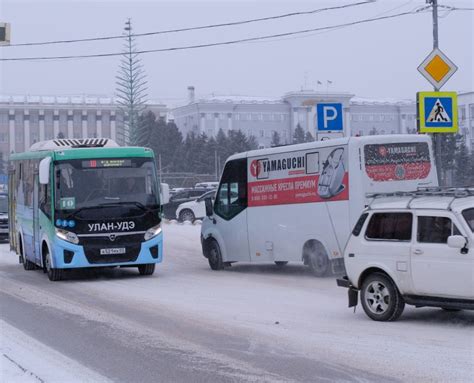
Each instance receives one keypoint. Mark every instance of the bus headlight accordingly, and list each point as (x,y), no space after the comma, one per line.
(67,236)
(152,232)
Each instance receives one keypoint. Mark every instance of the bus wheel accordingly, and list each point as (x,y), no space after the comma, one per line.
(281,263)
(147,269)
(27,265)
(53,274)
(317,260)
(214,256)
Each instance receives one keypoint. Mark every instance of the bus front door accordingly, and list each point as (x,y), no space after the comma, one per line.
(36,230)
(231,211)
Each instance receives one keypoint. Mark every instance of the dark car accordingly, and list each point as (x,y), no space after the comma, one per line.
(169,209)
(3,216)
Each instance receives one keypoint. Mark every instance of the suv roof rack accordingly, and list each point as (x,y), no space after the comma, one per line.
(65,143)
(435,191)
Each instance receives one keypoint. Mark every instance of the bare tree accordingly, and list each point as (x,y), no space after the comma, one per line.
(131,90)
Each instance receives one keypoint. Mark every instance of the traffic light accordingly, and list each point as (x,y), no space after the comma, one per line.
(4,33)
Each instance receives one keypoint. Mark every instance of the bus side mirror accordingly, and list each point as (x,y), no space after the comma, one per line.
(208,202)
(44,166)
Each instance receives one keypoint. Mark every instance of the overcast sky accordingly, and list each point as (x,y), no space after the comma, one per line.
(376,60)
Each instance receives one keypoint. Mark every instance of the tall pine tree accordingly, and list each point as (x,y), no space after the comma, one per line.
(131,90)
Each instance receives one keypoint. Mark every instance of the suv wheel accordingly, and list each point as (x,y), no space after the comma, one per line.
(186,215)
(381,299)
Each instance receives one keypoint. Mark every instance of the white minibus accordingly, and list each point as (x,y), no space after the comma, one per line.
(298,203)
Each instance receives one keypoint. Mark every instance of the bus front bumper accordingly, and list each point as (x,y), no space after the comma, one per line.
(69,256)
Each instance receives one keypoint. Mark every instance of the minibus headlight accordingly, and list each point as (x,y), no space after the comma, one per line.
(152,232)
(67,236)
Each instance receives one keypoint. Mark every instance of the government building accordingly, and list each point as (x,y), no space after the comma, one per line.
(261,117)
(25,120)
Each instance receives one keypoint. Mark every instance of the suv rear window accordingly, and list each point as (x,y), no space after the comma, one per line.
(359,224)
(390,226)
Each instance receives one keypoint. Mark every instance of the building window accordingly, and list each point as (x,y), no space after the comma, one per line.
(262,133)
(255,117)
(471,111)
(3,137)
(462,113)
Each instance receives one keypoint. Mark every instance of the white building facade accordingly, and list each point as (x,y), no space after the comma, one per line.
(25,120)
(261,117)
(466,118)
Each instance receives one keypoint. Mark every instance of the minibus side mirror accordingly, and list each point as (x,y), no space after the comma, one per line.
(44,167)
(208,202)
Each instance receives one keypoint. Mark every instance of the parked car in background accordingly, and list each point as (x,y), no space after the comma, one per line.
(177,190)
(192,210)
(169,209)
(415,249)
(3,217)
(208,185)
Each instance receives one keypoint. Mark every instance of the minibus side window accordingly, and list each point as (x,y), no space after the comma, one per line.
(231,198)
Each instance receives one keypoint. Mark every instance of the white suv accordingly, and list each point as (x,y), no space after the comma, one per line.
(415,248)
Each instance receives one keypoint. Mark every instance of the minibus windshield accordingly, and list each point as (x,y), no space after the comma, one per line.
(95,183)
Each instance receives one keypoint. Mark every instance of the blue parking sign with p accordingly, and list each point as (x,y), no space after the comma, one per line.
(330,117)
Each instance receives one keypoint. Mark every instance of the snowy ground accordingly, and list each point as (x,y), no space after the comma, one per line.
(257,322)
(23,359)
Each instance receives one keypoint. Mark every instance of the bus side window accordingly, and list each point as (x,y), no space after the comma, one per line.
(45,199)
(231,198)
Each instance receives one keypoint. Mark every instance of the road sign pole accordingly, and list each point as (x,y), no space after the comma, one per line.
(437,136)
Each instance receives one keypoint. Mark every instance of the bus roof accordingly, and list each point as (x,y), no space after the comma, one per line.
(78,153)
(385,139)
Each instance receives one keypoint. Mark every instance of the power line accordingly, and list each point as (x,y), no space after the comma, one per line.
(210,26)
(205,45)
(222,43)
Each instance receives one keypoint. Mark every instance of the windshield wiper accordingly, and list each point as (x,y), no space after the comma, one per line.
(120,203)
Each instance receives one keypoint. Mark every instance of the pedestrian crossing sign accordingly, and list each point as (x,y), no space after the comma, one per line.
(437,112)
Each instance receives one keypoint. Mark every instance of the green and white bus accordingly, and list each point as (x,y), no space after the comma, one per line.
(78,203)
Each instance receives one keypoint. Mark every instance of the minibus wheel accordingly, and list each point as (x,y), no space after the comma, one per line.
(147,269)
(314,255)
(214,255)
(53,274)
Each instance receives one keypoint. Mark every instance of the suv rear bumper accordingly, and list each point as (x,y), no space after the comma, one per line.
(352,292)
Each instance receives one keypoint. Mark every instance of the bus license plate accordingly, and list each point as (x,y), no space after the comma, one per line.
(112,251)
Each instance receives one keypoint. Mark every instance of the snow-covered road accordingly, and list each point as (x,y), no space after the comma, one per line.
(246,323)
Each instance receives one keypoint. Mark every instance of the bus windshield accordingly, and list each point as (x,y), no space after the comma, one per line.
(83,184)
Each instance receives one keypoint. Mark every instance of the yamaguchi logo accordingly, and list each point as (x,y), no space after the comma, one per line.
(255,168)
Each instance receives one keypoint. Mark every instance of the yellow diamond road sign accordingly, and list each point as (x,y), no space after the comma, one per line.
(437,68)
